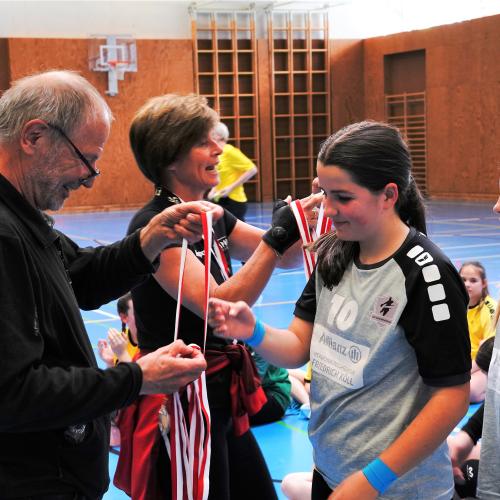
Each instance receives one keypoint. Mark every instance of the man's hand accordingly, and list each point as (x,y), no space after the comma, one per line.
(170,368)
(231,319)
(174,223)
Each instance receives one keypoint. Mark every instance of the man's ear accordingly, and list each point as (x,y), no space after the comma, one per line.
(31,134)
(123,317)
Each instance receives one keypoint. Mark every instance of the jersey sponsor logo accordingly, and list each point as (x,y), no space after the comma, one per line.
(384,310)
(223,242)
(338,359)
(431,275)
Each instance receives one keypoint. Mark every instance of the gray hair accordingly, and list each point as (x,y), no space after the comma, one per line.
(62,98)
(221,131)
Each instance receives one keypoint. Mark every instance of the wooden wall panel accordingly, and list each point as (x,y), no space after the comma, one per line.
(346,57)
(266,144)
(463,102)
(163,66)
(4,65)
(404,72)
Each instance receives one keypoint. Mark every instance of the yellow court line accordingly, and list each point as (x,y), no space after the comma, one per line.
(292,427)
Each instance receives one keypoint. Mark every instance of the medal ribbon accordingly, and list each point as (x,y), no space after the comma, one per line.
(323,225)
(189,450)
(305,235)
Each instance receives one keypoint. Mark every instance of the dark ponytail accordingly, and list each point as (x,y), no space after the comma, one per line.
(374,154)
(411,207)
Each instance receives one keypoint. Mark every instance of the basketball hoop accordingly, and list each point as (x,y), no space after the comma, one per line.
(118,67)
(115,54)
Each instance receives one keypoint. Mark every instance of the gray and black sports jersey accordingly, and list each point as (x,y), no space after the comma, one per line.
(381,339)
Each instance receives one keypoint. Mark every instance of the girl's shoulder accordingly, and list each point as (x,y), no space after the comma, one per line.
(490,304)
(419,255)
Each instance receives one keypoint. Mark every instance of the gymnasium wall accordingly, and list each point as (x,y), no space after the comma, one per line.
(462,85)
(164,66)
(347,80)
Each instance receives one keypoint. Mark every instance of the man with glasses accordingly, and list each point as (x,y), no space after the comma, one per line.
(54,401)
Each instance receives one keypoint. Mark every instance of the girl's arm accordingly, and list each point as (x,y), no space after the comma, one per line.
(246,285)
(427,431)
(282,347)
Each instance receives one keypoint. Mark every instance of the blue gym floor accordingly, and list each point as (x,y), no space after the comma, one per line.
(465,231)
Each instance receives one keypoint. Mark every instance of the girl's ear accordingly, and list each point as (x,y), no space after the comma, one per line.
(391,193)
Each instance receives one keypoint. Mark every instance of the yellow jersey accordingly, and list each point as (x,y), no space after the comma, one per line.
(232,164)
(480,320)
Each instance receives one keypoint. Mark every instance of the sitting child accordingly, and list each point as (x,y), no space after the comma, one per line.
(480,320)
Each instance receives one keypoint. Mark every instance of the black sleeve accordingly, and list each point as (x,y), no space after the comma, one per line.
(101,274)
(305,307)
(229,221)
(474,426)
(435,318)
(39,389)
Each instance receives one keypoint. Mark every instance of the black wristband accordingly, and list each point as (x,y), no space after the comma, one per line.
(284,231)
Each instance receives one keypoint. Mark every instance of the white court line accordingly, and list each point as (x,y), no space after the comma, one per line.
(289,273)
(477,226)
(477,257)
(95,321)
(281,303)
(105,313)
(476,245)
(466,219)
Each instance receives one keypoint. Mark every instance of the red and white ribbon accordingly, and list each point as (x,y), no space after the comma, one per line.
(189,449)
(305,235)
(323,225)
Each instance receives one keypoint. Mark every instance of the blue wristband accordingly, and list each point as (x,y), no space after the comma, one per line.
(258,334)
(379,475)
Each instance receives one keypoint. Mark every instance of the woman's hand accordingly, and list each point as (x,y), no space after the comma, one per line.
(354,487)
(231,319)
(311,205)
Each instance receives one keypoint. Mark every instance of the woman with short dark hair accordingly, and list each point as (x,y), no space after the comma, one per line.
(173,143)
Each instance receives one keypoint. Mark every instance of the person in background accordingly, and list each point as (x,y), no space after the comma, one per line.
(383,321)
(480,320)
(234,170)
(489,462)
(277,387)
(301,383)
(464,447)
(55,402)
(175,148)
(121,346)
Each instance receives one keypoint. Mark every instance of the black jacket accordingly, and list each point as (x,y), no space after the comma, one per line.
(49,378)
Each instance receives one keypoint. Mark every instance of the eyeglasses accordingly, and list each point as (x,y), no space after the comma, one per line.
(94,171)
